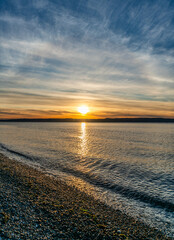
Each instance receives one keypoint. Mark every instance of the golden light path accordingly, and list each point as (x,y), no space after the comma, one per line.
(83,109)
(83,150)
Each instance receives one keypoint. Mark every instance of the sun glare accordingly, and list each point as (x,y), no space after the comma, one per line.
(83,109)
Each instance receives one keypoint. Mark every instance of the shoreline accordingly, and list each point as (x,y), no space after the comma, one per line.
(36,206)
(97,120)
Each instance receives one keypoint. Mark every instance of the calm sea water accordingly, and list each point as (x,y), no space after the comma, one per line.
(129,166)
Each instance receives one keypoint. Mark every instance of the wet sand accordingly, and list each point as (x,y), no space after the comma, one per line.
(36,206)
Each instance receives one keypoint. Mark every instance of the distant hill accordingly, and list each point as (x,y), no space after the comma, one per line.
(111,120)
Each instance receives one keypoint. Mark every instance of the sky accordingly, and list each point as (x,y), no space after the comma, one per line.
(115,56)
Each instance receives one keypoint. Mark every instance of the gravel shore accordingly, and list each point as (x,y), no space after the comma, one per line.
(36,206)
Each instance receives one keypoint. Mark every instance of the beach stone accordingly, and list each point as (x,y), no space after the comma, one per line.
(34,210)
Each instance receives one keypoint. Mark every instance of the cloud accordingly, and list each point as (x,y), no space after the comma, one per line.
(86,51)
(30,113)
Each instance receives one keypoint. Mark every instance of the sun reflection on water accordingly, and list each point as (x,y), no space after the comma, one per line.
(83,149)
(83,129)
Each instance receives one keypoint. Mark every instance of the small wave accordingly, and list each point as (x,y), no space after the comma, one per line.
(122,190)
(97,181)
(26,156)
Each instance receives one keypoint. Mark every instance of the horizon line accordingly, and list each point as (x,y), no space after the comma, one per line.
(88,120)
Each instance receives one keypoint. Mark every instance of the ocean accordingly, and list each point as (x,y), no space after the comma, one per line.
(129,166)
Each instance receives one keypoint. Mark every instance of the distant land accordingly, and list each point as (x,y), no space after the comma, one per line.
(107,120)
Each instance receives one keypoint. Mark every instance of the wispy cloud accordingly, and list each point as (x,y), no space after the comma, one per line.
(67,53)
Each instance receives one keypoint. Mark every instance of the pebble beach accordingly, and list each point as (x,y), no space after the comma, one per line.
(36,206)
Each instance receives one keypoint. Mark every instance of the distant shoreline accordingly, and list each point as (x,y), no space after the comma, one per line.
(104,120)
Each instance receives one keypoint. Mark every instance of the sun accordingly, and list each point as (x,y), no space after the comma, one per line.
(83,109)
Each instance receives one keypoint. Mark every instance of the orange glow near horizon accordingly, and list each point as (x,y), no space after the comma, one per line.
(97,110)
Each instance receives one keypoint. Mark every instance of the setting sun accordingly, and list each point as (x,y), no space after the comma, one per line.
(83,109)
